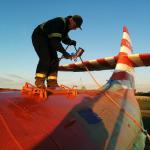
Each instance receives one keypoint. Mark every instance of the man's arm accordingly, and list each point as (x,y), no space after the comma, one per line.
(66,40)
(56,45)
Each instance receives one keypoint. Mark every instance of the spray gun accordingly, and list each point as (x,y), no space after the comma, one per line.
(75,55)
(78,53)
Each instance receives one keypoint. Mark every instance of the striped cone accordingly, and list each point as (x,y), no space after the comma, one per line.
(124,71)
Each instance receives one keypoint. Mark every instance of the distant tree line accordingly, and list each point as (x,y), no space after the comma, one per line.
(142,93)
(7,89)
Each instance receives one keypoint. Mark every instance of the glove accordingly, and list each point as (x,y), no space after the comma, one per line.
(67,55)
(73,43)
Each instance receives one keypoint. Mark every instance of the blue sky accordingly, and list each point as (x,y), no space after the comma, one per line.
(100,37)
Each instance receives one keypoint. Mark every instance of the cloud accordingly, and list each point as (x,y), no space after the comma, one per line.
(5,80)
(11,81)
(15,76)
(143,87)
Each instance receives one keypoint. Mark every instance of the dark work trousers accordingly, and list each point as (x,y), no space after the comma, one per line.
(48,59)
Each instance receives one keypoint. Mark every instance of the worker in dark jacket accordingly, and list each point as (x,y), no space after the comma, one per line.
(46,39)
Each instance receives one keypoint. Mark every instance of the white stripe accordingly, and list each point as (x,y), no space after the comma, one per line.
(110,60)
(66,65)
(136,59)
(126,84)
(79,64)
(124,67)
(126,87)
(127,37)
(93,62)
(125,50)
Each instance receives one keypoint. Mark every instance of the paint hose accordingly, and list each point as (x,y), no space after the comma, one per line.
(86,68)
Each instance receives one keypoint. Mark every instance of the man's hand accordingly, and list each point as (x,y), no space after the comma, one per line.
(67,55)
(73,43)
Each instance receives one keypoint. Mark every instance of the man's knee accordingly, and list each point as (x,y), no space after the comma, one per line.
(45,62)
(55,62)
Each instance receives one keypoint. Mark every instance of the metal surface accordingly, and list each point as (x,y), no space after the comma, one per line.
(84,122)
(92,120)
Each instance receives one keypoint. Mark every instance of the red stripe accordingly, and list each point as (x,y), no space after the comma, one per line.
(124,59)
(72,66)
(122,53)
(86,63)
(121,76)
(145,58)
(90,65)
(125,29)
(126,43)
(103,62)
(62,68)
(116,58)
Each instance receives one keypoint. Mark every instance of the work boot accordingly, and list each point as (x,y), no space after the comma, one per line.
(52,80)
(40,82)
(52,84)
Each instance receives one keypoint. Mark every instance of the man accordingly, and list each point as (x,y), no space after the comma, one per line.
(46,39)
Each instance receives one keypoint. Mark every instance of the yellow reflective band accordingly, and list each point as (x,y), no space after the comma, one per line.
(55,35)
(52,77)
(41,75)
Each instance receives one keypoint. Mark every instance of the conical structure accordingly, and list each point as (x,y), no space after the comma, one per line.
(124,70)
(120,92)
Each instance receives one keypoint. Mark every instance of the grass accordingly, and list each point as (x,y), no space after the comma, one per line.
(146,122)
(144,102)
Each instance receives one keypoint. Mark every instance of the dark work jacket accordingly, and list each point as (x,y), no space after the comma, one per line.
(57,30)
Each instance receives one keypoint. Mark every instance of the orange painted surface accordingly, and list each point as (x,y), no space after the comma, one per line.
(61,122)
(27,122)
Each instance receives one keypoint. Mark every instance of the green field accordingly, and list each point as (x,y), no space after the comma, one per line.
(144,102)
